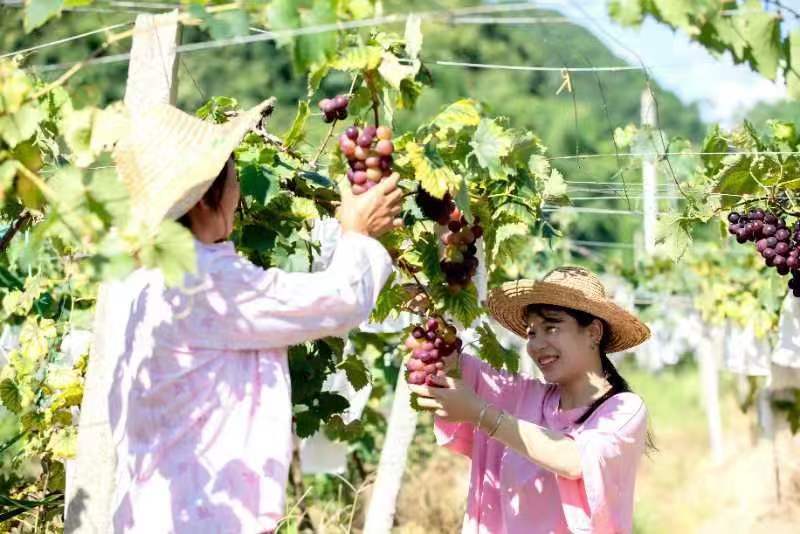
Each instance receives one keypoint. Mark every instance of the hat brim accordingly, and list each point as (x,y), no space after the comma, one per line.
(168,159)
(508,305)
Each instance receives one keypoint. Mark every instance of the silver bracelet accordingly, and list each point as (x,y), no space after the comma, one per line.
(499,420)
(482,413)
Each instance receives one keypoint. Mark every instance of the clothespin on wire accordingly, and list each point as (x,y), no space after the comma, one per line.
(566,82)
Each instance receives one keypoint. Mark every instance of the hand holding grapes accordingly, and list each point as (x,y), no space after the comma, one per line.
(450,399)
(373,213)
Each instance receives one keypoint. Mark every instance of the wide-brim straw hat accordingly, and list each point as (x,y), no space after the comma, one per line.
(168,159)
(568,287)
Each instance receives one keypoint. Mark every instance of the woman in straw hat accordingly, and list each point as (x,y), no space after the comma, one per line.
(200,408)
(558,455)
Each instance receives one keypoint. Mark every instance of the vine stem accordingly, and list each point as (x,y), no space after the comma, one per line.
(313,162)
(18,225)
(374,95)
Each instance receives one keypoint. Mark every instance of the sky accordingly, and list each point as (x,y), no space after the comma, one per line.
(723,90)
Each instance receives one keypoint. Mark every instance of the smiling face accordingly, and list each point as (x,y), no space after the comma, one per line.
(561,347)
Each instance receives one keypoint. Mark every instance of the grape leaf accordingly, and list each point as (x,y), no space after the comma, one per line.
(395,72)
(462,306)
(413,35)
(434,175)
(461,114)
(306,424)
(626,12)
(735,178)
(391,297)
(507,238)
(172,250)
(337,430)
(761,29)
(793,69)
(491,351)
(490,143)
(296,132)
(356,371)
(37,12)
(358,58)
(672,236)
(9,395)
(21,125)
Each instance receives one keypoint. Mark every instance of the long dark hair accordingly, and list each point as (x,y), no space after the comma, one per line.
(213,196)
(617,382)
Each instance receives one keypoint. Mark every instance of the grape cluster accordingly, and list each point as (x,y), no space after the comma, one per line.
(369,154)
(772,238)
(459,263)
(429,345)
(334,108)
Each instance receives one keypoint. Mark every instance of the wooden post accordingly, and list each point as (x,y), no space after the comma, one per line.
(709,349)
(152,74)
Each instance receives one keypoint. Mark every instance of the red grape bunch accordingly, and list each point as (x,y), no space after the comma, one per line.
(773,239)
(334,108)
(429,345)
(369,153)
(458,262)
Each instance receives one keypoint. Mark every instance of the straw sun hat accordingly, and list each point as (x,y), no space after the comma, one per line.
(168,159)
(568,287)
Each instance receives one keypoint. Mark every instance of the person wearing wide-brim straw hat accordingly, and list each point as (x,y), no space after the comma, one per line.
(558,454)
(200,407)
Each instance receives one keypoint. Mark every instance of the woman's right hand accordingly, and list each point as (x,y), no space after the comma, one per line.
(372,213)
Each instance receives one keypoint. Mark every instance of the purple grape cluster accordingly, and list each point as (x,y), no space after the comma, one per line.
(458,262)
(334,108)
(778,244)
(429,344)
(369,154)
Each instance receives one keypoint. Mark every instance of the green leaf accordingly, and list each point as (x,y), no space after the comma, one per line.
(626,12)
(461,114)
(356,371)
(358,58)
(258,237)
(316,74)
(507,238)
(490,143)
(172,251)
(283,15)
(328,403)
(434,175)
(462,306)
(297,131)
(712,145)
(491,351)
(63,443)
(306,424)
(555,188)
(395,72)
(9,395)
(259,182)
(37,12)
(223,25)
(735,179)
(315,48)
(761,29)
(413,35)
(21,125)
(391,297)
(672,236)
(462,200)
(793,67)
(337,430)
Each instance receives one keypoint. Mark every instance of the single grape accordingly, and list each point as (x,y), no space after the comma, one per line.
(418,332)
(477,231)
(454,226)
(358,165)
(770,218)
(327,106)
(430,336)
(373,162)
(329,117)
(370,131)
(768,230)
(341,101)
(347,146)
(782,234)
(383,132)
(384,147)
(761,245)
(414,365)
(341,114)
(757,214)
(360,177)
(782,248)
(358,189)
(771,242)
(768,253)
(386,162)
(352,132)
(374,175)
(778,261)
(733,217)
(432,325)
(417,378)
(783,270)
(361,153)
(467,237)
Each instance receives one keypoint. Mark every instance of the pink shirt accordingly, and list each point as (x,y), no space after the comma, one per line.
(511,494)
(201,407)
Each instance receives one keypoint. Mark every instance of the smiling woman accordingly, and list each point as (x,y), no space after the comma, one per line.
(558,455)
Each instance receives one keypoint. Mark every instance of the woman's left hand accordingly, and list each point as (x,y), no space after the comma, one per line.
(453,401)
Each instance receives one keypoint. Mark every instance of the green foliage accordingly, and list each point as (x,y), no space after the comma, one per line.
(491,351)
(747,30)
